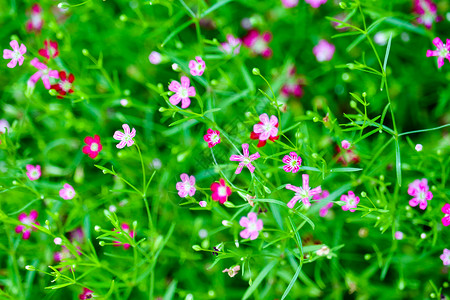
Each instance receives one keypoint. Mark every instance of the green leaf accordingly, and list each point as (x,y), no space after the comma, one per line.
(176,31)
(388,49)
(214,7)
(170,292)
(182,121)
(105,170)
(291,284)
(398,163)
(344,170)
(264,272)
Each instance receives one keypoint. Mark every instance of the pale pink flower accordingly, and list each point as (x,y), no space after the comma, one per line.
(33,172)
(351,201)
(186,186)
(446,211)
(155,58)
(202,203)
(65,254)
(67,192)
(398,235)
(125,228)
(4,126)
(325,250)
(232,45)
(420,191)
(427,12)
(445,256)
(125,138)
(212,137)
(253,226)
(442,51)
(289,3)
(316,3)
(43,73)
(57,241)
(345,144)
(182,92)
(418,147)
(293,84)
(266,129)
(304,193)
(245,160)
(324,51)
(293,162)
(27,221)
(232,271)
(36,21)
(324,210)
(16,54)
(220,191)
(197,66)
(258,43)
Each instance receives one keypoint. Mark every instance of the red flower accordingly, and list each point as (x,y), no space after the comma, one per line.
(93,146)
(50,49)
(65,85)
(220,191)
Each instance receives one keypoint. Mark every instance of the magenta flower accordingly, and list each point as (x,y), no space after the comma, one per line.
(125,138)
(67,192)
(16,54)
(43,73)
(36,21)
(212,137)
(252,226)
(87,294)
(93,146)
(231,46)
(220,191)
(446,211)
(258,43)
(427,12)
(293,162)
(398,235)
(126,228)
(324,51)
(186,186)
(324,210)
(232,271)
(445,256)
(33,172)
(420,191)
(293,85)
(65,254)
(182,92)
(155,58)
(351,201)
(289,3)
(27,221)
(316,3)
(50,49)
(245,160)
(202,203)
(266,129)
(304,193)
(197,66)
(442,52)
(347,156)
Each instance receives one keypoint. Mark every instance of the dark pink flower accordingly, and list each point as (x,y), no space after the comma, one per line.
(93,146)
(125,228)
(427,12)
(446,211)
(245,160)
(293,85)
(442,51)
(351,201)
(27,221)
(182,92)
(50,49)
(293,162)
(258,43)
(212,137)
(346,156)
(87,294)
(36,19)
(420,191)
(220,191)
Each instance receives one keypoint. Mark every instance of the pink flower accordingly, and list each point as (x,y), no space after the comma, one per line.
(27,221)
(65,85)
(289,3)
(258,43)
(245,160)
(4,126)
(446,211)
(445,256)
(293,85)
(43,73)
(323,51)
(182,92)
(67,192)
(197,66)
(293,162)
(304,193)
(126,228)
(155,58)
(345,144)
(202,203)
(87,294)
(65,254)
(398,235)
(36,21)
(324,210)
(93,146)
(351,201)
(420,191)
(232,271)
(442,52)
(427,12)
(186,186)
(253,226)
(231,46)
(16,54)
(33,172)
(266,129)
(347,156)
(125,138)
(50,49)
(221,191)
(316,3)
(212,137)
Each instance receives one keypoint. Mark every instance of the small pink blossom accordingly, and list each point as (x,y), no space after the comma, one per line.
(212,137)
(266,129)
(27,221)
(398,235)
(351,201)
(16,54)
(293,85)
(155,58)
(258,43)
(232,45)
(36,21)
(57,241)
(446,211)
(442,51)
(4,126)
(427,12)
(325,250)
(420,191)
(245,160)
(232,271)
(67,192)
(43,73)
(316,3)
(418,147)
(220,191)
(186,186)
(324,210)
(125,138)
(87,294)
(345,144)
(50,49)
(182,92)
(65,254)
(445,256)
(125,228)
(289,3)
(324,51)
(93,146)
(293,162)
(202,203)
(33,172)
(253,226)
(197,66)
(304,193)
(346,156)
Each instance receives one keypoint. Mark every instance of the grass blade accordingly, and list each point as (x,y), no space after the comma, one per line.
(388,49)
(398,163)
(259,279)
(291,284)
